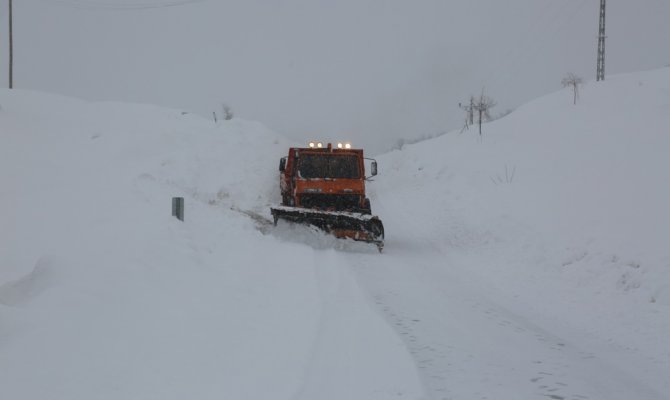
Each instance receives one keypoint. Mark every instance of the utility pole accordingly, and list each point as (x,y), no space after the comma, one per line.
(469,109)
(600,73)
(11,48)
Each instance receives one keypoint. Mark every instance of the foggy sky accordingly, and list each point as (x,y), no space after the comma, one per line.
(369,71)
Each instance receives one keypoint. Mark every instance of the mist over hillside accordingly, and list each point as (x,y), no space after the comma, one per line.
(367,71)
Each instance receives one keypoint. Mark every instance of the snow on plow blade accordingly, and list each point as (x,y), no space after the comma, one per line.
(342,224)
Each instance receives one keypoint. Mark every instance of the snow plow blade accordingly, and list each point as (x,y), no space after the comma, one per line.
(342,224)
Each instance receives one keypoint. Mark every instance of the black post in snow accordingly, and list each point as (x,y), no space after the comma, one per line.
(178,208)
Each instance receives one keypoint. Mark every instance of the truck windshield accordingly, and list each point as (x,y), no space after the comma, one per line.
(328,166)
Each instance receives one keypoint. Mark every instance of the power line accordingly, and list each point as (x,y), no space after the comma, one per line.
(115,5)
(554,18)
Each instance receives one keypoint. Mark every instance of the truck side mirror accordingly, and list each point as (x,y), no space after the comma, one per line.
(282,164)
(373,168)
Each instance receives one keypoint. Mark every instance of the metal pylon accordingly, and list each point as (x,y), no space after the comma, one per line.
(600,73)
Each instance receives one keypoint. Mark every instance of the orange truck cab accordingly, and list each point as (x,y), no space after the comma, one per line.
(325,178)
(324,186)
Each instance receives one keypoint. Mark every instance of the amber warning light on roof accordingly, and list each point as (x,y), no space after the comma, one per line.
(319,145)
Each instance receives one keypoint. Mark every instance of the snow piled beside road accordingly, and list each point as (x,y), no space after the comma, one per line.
(531,262)
(589,182)
(104,295)
(562,208)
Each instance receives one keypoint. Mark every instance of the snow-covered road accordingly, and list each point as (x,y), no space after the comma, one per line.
(468,341)
(526,264)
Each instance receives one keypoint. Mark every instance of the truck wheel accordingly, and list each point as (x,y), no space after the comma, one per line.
(367,209)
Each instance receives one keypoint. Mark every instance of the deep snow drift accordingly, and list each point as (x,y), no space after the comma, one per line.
(536,252)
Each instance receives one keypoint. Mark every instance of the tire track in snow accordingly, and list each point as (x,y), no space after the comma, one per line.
(354,354)
(466,345)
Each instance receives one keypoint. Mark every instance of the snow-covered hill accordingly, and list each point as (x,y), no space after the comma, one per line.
(377,71)
(562,207)
(531,262)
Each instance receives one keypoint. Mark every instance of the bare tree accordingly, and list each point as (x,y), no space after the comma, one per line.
(573,81)
(227,112)
(483,106)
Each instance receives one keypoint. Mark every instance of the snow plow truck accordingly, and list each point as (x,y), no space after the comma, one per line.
(324,186)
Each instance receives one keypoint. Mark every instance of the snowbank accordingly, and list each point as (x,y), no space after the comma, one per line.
(561,207)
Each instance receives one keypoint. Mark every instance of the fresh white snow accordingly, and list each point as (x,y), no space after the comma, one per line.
(529,263)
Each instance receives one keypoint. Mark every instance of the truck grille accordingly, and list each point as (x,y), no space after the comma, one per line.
(339,202)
